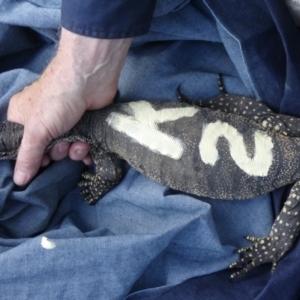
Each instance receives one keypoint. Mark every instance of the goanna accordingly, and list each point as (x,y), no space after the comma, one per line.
(228,147)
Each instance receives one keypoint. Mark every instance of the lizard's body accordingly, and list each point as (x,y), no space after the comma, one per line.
(207,153)
(238,154)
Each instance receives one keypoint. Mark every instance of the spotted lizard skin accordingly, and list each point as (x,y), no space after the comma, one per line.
(228,147)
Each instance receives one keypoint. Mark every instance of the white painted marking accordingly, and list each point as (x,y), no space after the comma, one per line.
(47,244)
(141,125)
(259,165)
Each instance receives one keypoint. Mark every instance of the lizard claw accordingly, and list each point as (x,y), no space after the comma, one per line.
(95,186)
(262,251)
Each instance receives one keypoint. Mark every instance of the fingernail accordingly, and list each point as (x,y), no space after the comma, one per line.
(20,177)
(62,147)
(80,151)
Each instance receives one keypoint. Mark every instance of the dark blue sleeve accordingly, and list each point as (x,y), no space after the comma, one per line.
(108,19)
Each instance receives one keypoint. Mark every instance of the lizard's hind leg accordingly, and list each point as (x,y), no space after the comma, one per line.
(272,248)
(108,174)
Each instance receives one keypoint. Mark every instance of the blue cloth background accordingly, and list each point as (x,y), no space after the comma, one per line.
(143,240)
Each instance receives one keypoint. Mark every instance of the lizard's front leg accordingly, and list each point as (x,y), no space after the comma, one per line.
(250,108)
(108,174)
(273,247)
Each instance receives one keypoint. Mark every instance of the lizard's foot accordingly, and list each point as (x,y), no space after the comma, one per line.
(284,232)
(262,251)
(95,186)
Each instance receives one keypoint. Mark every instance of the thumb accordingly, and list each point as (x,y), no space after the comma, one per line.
(30,156)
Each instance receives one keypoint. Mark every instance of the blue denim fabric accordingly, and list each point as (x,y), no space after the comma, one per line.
(143,240)
(107,19)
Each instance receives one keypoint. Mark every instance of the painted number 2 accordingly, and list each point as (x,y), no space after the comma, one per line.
(258,165)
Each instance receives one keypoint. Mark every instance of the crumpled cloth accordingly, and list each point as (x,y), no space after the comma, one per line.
(144,240)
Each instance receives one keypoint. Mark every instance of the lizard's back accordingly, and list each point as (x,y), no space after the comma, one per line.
(201,151)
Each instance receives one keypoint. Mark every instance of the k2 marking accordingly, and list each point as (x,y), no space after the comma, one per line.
(141,126)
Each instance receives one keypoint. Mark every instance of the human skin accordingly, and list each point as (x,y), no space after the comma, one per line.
(82,76)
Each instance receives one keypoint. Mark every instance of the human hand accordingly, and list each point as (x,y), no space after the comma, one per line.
(83,75)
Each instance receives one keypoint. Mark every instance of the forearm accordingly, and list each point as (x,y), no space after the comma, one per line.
(91,65)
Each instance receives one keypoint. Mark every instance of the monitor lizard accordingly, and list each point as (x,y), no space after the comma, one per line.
(228,147)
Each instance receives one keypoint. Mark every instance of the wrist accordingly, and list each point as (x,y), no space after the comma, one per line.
(93,65)
(85,54)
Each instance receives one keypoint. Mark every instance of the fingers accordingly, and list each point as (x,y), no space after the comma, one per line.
(80,151)
(77,151)
(31,155)
(88,160)
(59,151)
(45,160)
